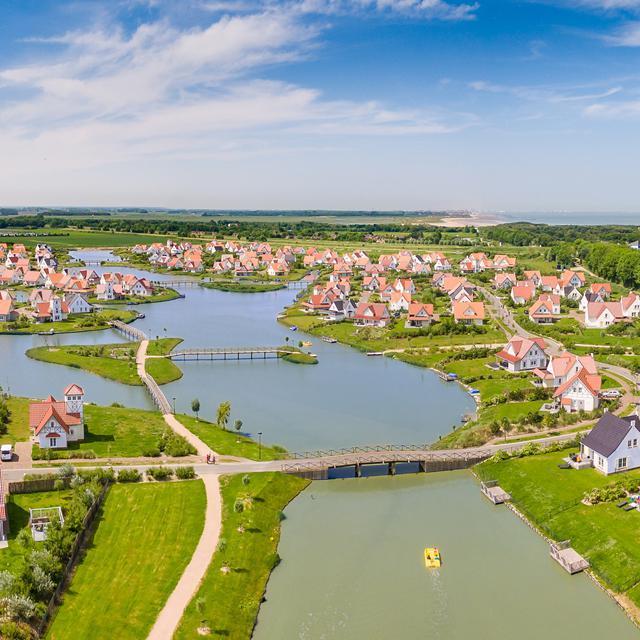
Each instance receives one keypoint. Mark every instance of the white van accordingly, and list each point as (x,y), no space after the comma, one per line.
(6,453)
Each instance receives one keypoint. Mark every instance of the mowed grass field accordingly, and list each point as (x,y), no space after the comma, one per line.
(144,540)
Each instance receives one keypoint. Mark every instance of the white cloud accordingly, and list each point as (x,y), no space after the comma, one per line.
(162,92)
(626,36)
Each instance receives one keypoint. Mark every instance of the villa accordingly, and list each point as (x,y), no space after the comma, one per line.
(545,309)
(372,315)
(56,423)
(523,354)
(420,315)
(612,445)
(468,312)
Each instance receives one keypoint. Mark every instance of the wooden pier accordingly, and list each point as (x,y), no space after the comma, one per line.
(569,559)
(494,492)
(316,465)
(230,353)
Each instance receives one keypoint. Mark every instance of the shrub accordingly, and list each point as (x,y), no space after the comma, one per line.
(152,452)
(160,473)
(185,473)
(129,475)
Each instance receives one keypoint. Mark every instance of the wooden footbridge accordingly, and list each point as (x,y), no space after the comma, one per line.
(316,465)
(177,282)
(133,333)
(229,353)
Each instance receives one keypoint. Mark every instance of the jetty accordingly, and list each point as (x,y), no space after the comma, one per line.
(494,492)
(569,559)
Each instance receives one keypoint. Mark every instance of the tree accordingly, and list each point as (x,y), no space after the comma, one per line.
(195,406)
(224,411)
(237,425)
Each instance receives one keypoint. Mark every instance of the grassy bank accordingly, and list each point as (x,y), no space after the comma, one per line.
(163,370)
(229,597)
(297,356)
(163,294)
(244,286)
(113,361)
(18,425)
(73,324)
(551,498)
(145,538)
(230,443)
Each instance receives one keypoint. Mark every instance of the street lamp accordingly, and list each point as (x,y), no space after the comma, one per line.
(174,404)
(259,445)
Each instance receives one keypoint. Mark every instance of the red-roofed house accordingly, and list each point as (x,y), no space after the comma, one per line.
(56,423)
(523,354)
(600,315)
(545,309)
(420,315)
(468,312)
(522,293)
(581,392)
(372,314)
(7,311)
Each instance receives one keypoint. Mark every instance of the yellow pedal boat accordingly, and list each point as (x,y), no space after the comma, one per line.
(432,557)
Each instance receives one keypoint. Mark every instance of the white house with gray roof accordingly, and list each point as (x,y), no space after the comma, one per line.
(613,445)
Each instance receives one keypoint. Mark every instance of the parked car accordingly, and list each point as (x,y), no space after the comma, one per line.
(6,453)
(610,394)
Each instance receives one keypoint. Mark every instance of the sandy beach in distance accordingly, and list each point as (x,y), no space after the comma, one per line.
(475,219)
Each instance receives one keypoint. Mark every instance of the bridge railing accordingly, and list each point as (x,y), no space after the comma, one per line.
(129,331)
(229,351)
(323,453)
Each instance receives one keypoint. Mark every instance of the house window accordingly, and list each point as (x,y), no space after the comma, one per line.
(621,463)
(52,442)
(632,444)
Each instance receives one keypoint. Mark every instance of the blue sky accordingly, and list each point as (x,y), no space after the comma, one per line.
(343,104)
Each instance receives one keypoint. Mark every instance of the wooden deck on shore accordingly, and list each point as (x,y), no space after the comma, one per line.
(494,492)
(569,559)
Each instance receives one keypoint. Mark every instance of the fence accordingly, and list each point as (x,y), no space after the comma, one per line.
(32,486)
(73,558)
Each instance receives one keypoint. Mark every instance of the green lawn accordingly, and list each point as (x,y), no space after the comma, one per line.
(244,286)
(161,294)
(229,442)
(74,324)
(145,538)
(163,370)
(116,432)
(229,603)
(162,346)
(18,427)
(607,536)
(18,506)
(113,361)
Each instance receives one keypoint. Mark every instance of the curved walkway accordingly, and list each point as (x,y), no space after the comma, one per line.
(201,447)
(187,587)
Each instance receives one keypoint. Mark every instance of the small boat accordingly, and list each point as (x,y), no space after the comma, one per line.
(374,353)
(449,377)
(307,343)
(293,327)
(329,339)
(46,333)
(140,316)
(432,557)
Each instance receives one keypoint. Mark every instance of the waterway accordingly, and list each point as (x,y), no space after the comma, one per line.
(352,549)
(347,399)
(352,567)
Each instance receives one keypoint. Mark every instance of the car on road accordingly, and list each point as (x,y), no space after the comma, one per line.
(6,453)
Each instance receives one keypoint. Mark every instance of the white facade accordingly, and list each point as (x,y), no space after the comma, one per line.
(625,457)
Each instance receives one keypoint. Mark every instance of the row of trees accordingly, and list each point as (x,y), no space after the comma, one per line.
(25,591)
(524,234)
